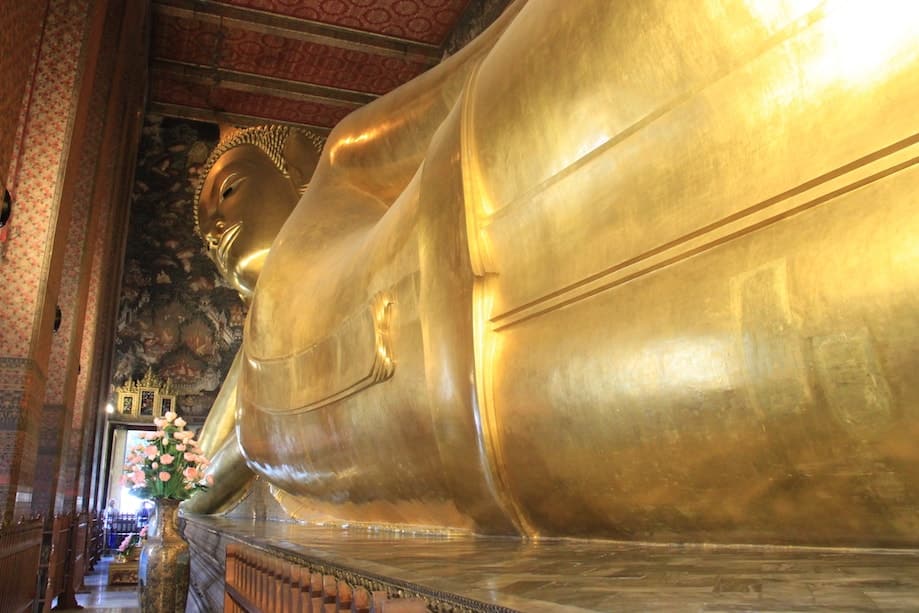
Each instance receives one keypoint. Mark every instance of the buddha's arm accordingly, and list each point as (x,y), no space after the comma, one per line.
(379,147)
(231,480)
(219,443)
(221,420)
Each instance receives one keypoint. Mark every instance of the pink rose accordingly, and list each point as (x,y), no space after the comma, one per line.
(166,459)
(150,451)
(170,416)
(209,479)
(190,457)
(155,465)
(164,476)
(190,473)
(138,478)
(159,422)
(180,422)
(180,447)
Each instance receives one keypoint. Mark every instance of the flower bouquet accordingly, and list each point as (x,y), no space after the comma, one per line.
(168,467)
(168,464)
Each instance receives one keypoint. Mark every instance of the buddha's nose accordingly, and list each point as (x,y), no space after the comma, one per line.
(213,236)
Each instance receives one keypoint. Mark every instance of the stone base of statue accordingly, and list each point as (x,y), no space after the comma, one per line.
(164,562)
(469,574)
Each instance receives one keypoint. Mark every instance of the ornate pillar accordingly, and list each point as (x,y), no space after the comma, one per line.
(61,213)
(127,71)
(32,255)
(72,350)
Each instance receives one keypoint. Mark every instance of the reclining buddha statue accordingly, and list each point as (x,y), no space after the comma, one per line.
(630,270)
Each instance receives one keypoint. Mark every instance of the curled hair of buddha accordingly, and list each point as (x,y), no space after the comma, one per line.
(269,139)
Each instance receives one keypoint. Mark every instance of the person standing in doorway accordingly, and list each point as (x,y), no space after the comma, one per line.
(108,519)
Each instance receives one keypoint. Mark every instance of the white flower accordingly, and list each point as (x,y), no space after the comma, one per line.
(170,416)
(180,422)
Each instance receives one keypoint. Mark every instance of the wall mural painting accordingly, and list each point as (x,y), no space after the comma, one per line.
(176,315)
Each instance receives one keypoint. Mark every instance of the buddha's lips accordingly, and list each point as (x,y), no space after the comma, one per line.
(226,241)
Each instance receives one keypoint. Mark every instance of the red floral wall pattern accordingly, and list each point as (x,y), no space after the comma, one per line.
(34,180)
(19,34)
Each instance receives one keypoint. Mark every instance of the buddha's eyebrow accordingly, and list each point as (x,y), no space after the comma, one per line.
(208,199)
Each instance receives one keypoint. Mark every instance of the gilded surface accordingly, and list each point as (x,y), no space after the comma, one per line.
(164,563)
(650,273)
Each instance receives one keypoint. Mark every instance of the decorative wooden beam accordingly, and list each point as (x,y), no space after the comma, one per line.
(243,81)
(218,117)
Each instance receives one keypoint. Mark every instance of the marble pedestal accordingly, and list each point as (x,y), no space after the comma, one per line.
(503,574)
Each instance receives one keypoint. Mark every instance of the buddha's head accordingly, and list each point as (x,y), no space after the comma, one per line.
(250,184)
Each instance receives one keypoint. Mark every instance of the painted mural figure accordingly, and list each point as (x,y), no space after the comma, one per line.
(654,283)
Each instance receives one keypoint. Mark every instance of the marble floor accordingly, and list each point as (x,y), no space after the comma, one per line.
(578,576)
(102,598)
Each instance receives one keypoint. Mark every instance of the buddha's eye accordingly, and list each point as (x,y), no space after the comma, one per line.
(230,185)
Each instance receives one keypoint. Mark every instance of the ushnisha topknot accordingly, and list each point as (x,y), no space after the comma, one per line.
(270,139)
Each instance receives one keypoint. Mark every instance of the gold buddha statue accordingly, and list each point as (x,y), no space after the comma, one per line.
(624,270)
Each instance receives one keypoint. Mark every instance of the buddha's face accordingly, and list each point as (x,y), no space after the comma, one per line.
(244,202)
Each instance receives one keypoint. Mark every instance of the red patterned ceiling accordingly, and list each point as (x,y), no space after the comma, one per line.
(424,21)
(199,96)
(186,40)
(300,61)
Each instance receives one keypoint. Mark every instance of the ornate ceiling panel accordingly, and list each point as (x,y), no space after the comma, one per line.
(424,21)
(197,99)
(308,62)
(321,64)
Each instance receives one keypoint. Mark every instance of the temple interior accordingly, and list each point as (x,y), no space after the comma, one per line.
(463,305)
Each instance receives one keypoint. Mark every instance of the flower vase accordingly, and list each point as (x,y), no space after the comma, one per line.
(163,569)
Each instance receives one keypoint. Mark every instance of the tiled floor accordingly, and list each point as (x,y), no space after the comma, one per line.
(102,598)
